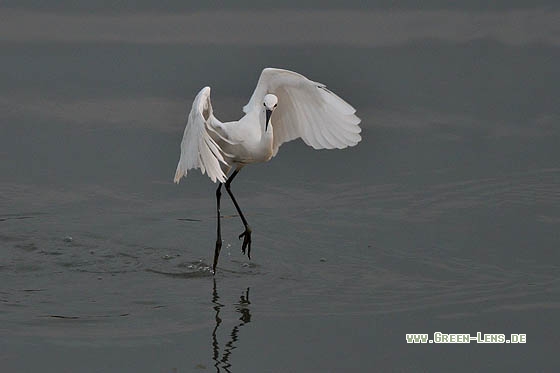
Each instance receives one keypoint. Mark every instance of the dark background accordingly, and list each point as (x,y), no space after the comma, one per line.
(444,218)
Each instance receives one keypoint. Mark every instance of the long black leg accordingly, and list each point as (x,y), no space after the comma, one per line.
(219,230)
(247,233)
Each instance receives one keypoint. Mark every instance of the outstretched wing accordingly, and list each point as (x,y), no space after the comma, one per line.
(198,148)
(306,109)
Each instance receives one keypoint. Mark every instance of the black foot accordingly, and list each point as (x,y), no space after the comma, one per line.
(246,241)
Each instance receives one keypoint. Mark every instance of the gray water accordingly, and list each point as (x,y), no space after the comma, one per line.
(446,217)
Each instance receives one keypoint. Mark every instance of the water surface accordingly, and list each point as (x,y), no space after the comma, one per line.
(444,218)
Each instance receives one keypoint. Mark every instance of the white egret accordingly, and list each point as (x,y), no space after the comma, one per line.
(284,106)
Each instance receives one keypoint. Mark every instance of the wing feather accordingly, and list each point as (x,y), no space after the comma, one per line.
(306,110)
(198,147)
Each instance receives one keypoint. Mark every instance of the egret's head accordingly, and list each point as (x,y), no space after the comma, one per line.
(270,103)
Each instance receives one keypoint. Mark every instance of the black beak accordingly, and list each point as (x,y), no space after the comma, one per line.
(268,114)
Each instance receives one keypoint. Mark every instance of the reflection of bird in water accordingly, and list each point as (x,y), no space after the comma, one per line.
(284,106)
(240,307)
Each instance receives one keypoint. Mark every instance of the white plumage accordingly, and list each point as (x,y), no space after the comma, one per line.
(284,106)
(306,110)
(198,148)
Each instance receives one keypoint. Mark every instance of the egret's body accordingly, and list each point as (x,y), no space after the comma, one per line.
(302,109)
(251,143)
